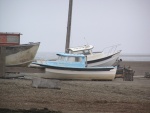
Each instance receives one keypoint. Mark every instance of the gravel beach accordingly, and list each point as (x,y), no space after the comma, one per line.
(74,96)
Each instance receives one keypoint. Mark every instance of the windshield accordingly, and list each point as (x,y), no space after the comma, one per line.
(74,59)
(62,58)
(86,52)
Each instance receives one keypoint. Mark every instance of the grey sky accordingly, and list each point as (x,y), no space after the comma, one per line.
(102,22)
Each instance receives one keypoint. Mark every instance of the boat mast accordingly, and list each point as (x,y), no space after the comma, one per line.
(68,26)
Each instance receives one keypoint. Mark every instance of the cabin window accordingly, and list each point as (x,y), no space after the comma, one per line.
(70,51)
(74,59)
(78,52)
(61,58)
(86,52)
(78,59)
(71,59)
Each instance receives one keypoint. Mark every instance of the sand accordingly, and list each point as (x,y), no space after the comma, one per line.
(140,67)
(81,96)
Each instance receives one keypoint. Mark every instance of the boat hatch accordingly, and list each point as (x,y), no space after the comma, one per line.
(81,48)
(85,52)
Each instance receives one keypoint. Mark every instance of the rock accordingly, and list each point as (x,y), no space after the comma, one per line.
(45,83)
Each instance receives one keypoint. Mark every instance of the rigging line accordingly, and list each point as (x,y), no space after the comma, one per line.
(86,41)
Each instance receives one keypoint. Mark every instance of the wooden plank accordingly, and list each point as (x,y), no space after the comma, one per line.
(2,60)
(25,70)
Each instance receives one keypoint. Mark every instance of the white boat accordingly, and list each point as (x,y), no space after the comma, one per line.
(97,58)
(74,66)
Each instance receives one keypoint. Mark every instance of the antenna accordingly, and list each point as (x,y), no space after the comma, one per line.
(86,41)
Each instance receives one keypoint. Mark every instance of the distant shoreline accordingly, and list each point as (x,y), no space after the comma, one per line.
(124,57)
(135,55)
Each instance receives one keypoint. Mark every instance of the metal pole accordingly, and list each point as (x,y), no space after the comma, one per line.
(69,26)
(2,60)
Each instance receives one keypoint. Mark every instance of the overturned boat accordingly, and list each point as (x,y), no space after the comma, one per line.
(74,66)
(17,54)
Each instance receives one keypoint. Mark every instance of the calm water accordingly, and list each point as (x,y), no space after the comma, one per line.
(47,55)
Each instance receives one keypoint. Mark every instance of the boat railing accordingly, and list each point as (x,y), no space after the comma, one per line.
(110,50)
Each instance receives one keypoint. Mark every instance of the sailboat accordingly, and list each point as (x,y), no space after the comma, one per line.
(93,58)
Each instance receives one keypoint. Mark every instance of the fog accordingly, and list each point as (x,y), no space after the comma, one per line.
(101,23)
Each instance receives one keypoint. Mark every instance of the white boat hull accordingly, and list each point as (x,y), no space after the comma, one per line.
(97,60)
(80,75)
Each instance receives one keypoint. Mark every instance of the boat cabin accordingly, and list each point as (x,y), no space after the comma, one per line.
(86,50)
(69,60)
(9,38)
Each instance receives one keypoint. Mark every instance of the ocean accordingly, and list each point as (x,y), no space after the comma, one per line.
(124,57)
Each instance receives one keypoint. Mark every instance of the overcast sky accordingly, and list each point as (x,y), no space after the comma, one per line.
(101,22)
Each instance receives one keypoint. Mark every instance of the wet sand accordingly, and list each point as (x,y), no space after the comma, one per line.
(140,67)
(82,96)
